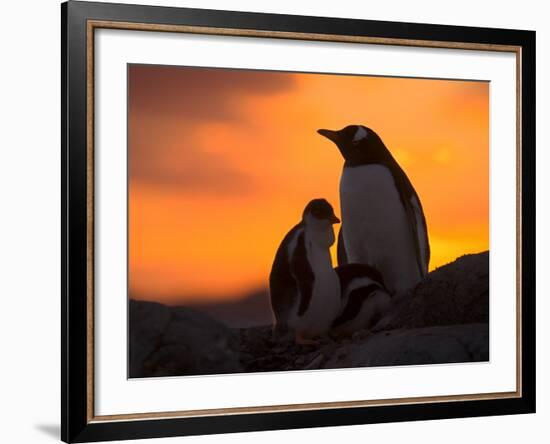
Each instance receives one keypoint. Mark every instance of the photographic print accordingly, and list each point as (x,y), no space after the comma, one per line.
(285,221)
(256,205)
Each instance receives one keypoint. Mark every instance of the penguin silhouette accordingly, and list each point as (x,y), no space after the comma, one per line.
(365,299)
(304,287)
(383,221)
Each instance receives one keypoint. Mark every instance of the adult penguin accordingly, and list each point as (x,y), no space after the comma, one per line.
(383,222)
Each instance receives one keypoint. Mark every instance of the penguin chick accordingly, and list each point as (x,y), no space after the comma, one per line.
(304,287)
(365,299)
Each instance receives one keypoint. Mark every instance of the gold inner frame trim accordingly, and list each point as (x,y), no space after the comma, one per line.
(96,24)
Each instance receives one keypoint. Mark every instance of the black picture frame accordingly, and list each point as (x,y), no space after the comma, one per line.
(76,423)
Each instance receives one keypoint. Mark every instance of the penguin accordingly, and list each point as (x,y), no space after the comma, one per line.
(365,299)
(303,285)
(383,221)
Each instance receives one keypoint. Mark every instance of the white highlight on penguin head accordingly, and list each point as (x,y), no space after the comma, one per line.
(360,134)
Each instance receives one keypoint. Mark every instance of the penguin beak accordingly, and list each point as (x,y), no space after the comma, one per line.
(329,134)
(334,219)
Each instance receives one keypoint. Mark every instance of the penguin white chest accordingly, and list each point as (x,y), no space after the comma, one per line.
(375,225)
(325,301)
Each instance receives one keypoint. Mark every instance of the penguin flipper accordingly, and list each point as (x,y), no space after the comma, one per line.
(417,220)
(283,288)
(303,273)
(422,232)
(341,253)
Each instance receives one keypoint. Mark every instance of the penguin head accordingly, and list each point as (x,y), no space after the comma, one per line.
(318,218)
(357,143)
(319,211)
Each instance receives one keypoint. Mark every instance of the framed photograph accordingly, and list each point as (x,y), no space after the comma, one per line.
(275,221)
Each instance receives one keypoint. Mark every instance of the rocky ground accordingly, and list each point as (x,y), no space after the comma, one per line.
(444,320)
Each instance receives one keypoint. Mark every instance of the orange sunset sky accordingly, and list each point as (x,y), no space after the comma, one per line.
(223,161)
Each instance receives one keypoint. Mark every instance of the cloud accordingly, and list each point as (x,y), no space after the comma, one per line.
(192,170)
(169,109)
(198,93)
